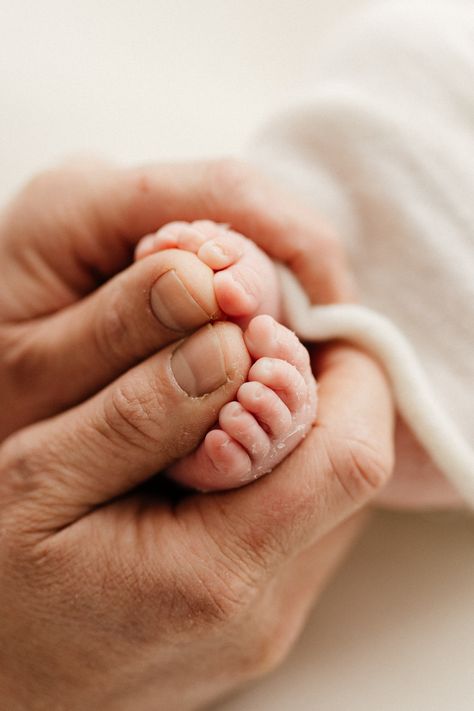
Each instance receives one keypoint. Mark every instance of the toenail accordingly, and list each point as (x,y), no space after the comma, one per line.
(198,364)
(217,255)
(173,305)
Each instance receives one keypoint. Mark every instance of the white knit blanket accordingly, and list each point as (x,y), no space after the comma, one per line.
(383,144)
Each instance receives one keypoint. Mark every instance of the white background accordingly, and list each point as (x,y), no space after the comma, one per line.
(147,79)
(157,79)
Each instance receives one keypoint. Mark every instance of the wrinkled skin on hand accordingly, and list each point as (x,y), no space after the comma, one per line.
(115,592)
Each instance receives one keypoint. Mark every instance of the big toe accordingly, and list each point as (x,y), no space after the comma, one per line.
(248,287)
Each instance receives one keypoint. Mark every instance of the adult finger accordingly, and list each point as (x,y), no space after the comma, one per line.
(149,305)
(94,218)
(154,414)
(230,191)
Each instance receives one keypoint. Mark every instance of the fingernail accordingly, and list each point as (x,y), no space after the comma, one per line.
(173,305)
(198,365)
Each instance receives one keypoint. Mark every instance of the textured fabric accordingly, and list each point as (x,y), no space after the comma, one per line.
(383,144)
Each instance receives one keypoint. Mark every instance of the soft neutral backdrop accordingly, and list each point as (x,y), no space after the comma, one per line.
(177,79)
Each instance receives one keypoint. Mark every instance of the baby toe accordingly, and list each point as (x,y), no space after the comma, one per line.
(267,407)
(247,283)
(210,228)
(238,290)
(265,337)
(244,429)
(173,235)
(283,378)
(186,235)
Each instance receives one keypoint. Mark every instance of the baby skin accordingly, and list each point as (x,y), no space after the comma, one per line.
(276,407)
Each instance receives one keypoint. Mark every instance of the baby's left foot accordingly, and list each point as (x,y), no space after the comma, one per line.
(245,279)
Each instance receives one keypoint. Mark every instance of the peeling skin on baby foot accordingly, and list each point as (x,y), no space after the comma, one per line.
(273,412)
(276,407)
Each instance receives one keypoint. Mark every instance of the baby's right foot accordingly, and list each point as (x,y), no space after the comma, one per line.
(272,413)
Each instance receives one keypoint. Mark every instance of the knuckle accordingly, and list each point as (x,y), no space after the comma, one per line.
(132,411)
(24,473)
(374,469)
(19,466)
(20,360)
(362,470)
(111,331)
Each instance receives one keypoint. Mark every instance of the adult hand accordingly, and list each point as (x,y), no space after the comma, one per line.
(113,597)
(73,228)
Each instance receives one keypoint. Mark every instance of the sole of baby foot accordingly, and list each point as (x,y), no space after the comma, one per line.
(272,413)
(245,280)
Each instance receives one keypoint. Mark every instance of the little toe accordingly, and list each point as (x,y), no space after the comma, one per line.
(244,429)
(267,407)
(218,463)
(283,378)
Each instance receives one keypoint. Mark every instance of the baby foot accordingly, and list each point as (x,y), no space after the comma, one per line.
(272,413)
(276,407)
(245,281)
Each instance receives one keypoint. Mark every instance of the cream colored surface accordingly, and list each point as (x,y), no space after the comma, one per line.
(177,79)
(147,80)
(395,629)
